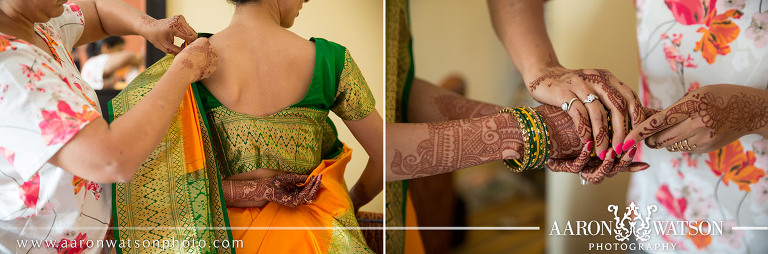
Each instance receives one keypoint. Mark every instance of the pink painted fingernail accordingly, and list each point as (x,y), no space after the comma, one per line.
(589,145)
(644,167)
(613,155)
(632,153)
(628,144)
(602,154)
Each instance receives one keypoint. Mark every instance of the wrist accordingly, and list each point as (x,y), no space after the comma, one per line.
(535,70)
(181,71)
(143,25)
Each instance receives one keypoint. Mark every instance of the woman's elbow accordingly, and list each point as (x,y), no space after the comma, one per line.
(114,171)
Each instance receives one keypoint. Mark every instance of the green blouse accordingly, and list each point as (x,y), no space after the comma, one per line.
(297,138)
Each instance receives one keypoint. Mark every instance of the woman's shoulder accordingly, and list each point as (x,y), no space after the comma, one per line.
(331,47)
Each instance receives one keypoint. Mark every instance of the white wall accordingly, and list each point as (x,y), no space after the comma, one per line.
(589,34)
(356,24)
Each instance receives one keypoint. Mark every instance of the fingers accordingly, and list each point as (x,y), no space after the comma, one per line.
(599,123)
(617,102)
(623,162)
(572,166)
(671,135)
(596,175)
(637,167)
(183,30)
(581,121)
(660,121)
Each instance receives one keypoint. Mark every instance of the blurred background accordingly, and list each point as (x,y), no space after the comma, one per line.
(454,40)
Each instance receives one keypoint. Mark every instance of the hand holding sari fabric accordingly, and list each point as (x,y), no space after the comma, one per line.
(285,189)
(198,60)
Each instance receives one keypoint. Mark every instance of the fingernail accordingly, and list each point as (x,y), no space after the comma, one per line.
(628,144)
(618,149)
(613,155)
(602,154)
(632,153)
(644,167)
(589,145)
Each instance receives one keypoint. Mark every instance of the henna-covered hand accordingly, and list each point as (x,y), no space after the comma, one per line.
(283,189)
(557,84)
(427,149)
(568,154)
(161,32)
(199,60)
(708,118)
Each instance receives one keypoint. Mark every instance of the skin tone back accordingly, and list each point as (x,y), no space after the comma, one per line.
(264,69)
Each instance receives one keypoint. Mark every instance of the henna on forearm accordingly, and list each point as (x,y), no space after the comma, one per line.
(282,189)
(244,190)
(453,145)
(738,112)
(454,107)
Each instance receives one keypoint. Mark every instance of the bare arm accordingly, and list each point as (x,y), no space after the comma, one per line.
(105,153)
(429,103)
(369,132)
(119,60)
(520,26)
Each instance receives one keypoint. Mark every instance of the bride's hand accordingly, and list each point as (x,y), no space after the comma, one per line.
(283,189)
(568,154)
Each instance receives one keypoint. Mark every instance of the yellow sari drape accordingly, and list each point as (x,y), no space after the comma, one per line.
(318,227)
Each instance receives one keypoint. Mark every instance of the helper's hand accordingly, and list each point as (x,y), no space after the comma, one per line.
(199,59)
(161,32)
(557,85)
(284,189)
(705,119)
(570,155)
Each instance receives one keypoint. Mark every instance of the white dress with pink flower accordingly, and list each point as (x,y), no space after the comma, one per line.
(43,103)
(685,44)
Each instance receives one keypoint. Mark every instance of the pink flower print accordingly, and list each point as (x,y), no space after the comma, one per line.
(672,55)
(7,154)
(760,191)
(691,12)
(31,73)
(73,6)
(30,191)
(691,160)
(730,236)
(58,126)
(761,153)
(694,85)
(74,246)
(758,30)
(92,187)
(731,4)
(675,162)
(675,206)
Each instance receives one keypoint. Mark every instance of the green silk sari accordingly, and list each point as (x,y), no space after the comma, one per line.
(166,205)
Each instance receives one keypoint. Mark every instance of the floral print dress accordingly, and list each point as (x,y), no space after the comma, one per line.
(686,44)
(43,103)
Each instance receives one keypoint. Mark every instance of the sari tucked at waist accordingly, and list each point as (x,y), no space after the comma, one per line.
(176,194)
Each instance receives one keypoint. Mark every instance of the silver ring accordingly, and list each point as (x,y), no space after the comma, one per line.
(567,105)
(591,98)
(584,182)
(308,201)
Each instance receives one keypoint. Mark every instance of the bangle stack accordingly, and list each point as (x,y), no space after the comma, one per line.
(536,144)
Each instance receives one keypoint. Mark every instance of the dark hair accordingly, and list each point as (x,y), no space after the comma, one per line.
(113,41)
(94,48)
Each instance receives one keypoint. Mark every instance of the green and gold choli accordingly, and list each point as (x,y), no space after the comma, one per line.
(297,138)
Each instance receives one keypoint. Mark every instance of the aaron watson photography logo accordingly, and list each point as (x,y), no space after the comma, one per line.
(632,228)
